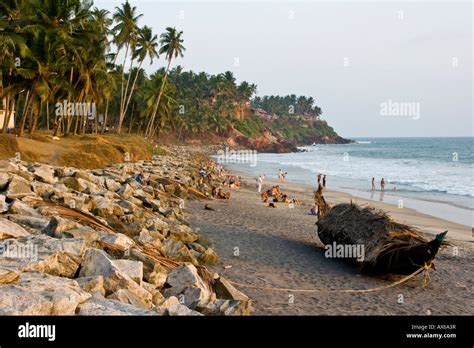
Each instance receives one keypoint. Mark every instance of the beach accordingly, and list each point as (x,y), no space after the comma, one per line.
(266,252)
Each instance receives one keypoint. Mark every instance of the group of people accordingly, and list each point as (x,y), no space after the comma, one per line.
(274,195)
(382,184)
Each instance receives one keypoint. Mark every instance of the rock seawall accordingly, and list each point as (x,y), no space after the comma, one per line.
(96,242)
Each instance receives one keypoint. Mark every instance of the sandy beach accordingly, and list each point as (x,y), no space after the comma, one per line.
(279,248)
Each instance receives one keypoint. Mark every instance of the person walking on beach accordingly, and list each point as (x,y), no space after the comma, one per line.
(324,181)
(382,184)
(319,179)
(373,183)
(280,175)
(283,176)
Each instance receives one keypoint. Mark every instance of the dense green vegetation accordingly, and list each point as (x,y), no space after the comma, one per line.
(289,105)
(58,51)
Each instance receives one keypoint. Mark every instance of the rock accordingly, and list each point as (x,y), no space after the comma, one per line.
(92,284)
(9,229)
(75,184)
(97,263)
(131,297)
(112,185)
(18,207)
(98,306)
(125,191)
(4,180)
(183,233)
(158,276)
(40,253)
(58,225)
(209,256)
(19,188)
(36,223)
(134,269)
(7,276)
(102,207)
(226,307)
(41,294)
(178,251)
(171,306)
(90,236)
(42,189)
(45,174)
(185,280)
(3,204)
(79,174)
(225,290)
(118,239)
(7,166)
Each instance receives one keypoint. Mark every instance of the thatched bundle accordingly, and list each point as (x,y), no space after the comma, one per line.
(324,207)
(388,246)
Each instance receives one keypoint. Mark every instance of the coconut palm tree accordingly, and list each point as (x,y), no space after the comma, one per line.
(126,34)
(172,47)
(147,47)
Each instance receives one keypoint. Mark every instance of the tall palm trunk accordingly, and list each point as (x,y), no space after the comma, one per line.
(122,90)
(152,120)
(124,102)
(104,124)
(29,98)
(133,87)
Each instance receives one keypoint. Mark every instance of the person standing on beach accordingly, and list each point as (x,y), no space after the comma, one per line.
(259,184)
(280,175)
(324,181)
(319,179)
(382,184)
(283,176)
(373,183)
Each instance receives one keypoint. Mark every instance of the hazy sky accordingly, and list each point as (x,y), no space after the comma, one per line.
(350,56)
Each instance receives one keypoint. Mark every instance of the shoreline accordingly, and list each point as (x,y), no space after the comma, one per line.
(279,249)
(436,209)
(410,216)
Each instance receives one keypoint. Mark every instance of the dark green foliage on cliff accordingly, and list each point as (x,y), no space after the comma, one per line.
(250,126)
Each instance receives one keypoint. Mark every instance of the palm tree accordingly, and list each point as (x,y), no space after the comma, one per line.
(126,32)
(172,47)
(147,47)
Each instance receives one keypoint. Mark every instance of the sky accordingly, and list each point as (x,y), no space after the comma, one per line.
(384,69)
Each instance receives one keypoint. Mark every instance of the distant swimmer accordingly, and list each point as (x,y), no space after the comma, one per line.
(382,184)
(373,183)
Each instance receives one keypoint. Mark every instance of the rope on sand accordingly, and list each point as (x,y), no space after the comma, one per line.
(401,281)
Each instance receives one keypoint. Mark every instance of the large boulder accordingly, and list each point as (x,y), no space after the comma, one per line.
(45,174)
(40,253)
(97,263)
(76,184)
(9,229)
(184,280)
(98,306)
(19,188)
(41,294)
(4,180)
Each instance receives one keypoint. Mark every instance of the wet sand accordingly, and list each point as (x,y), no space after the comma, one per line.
(279,248)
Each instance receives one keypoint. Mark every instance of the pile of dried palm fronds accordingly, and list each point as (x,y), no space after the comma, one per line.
(387,245)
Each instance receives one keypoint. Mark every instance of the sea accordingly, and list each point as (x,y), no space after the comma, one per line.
(431,175)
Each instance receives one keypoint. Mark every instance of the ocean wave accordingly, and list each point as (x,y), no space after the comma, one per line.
(409,174)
